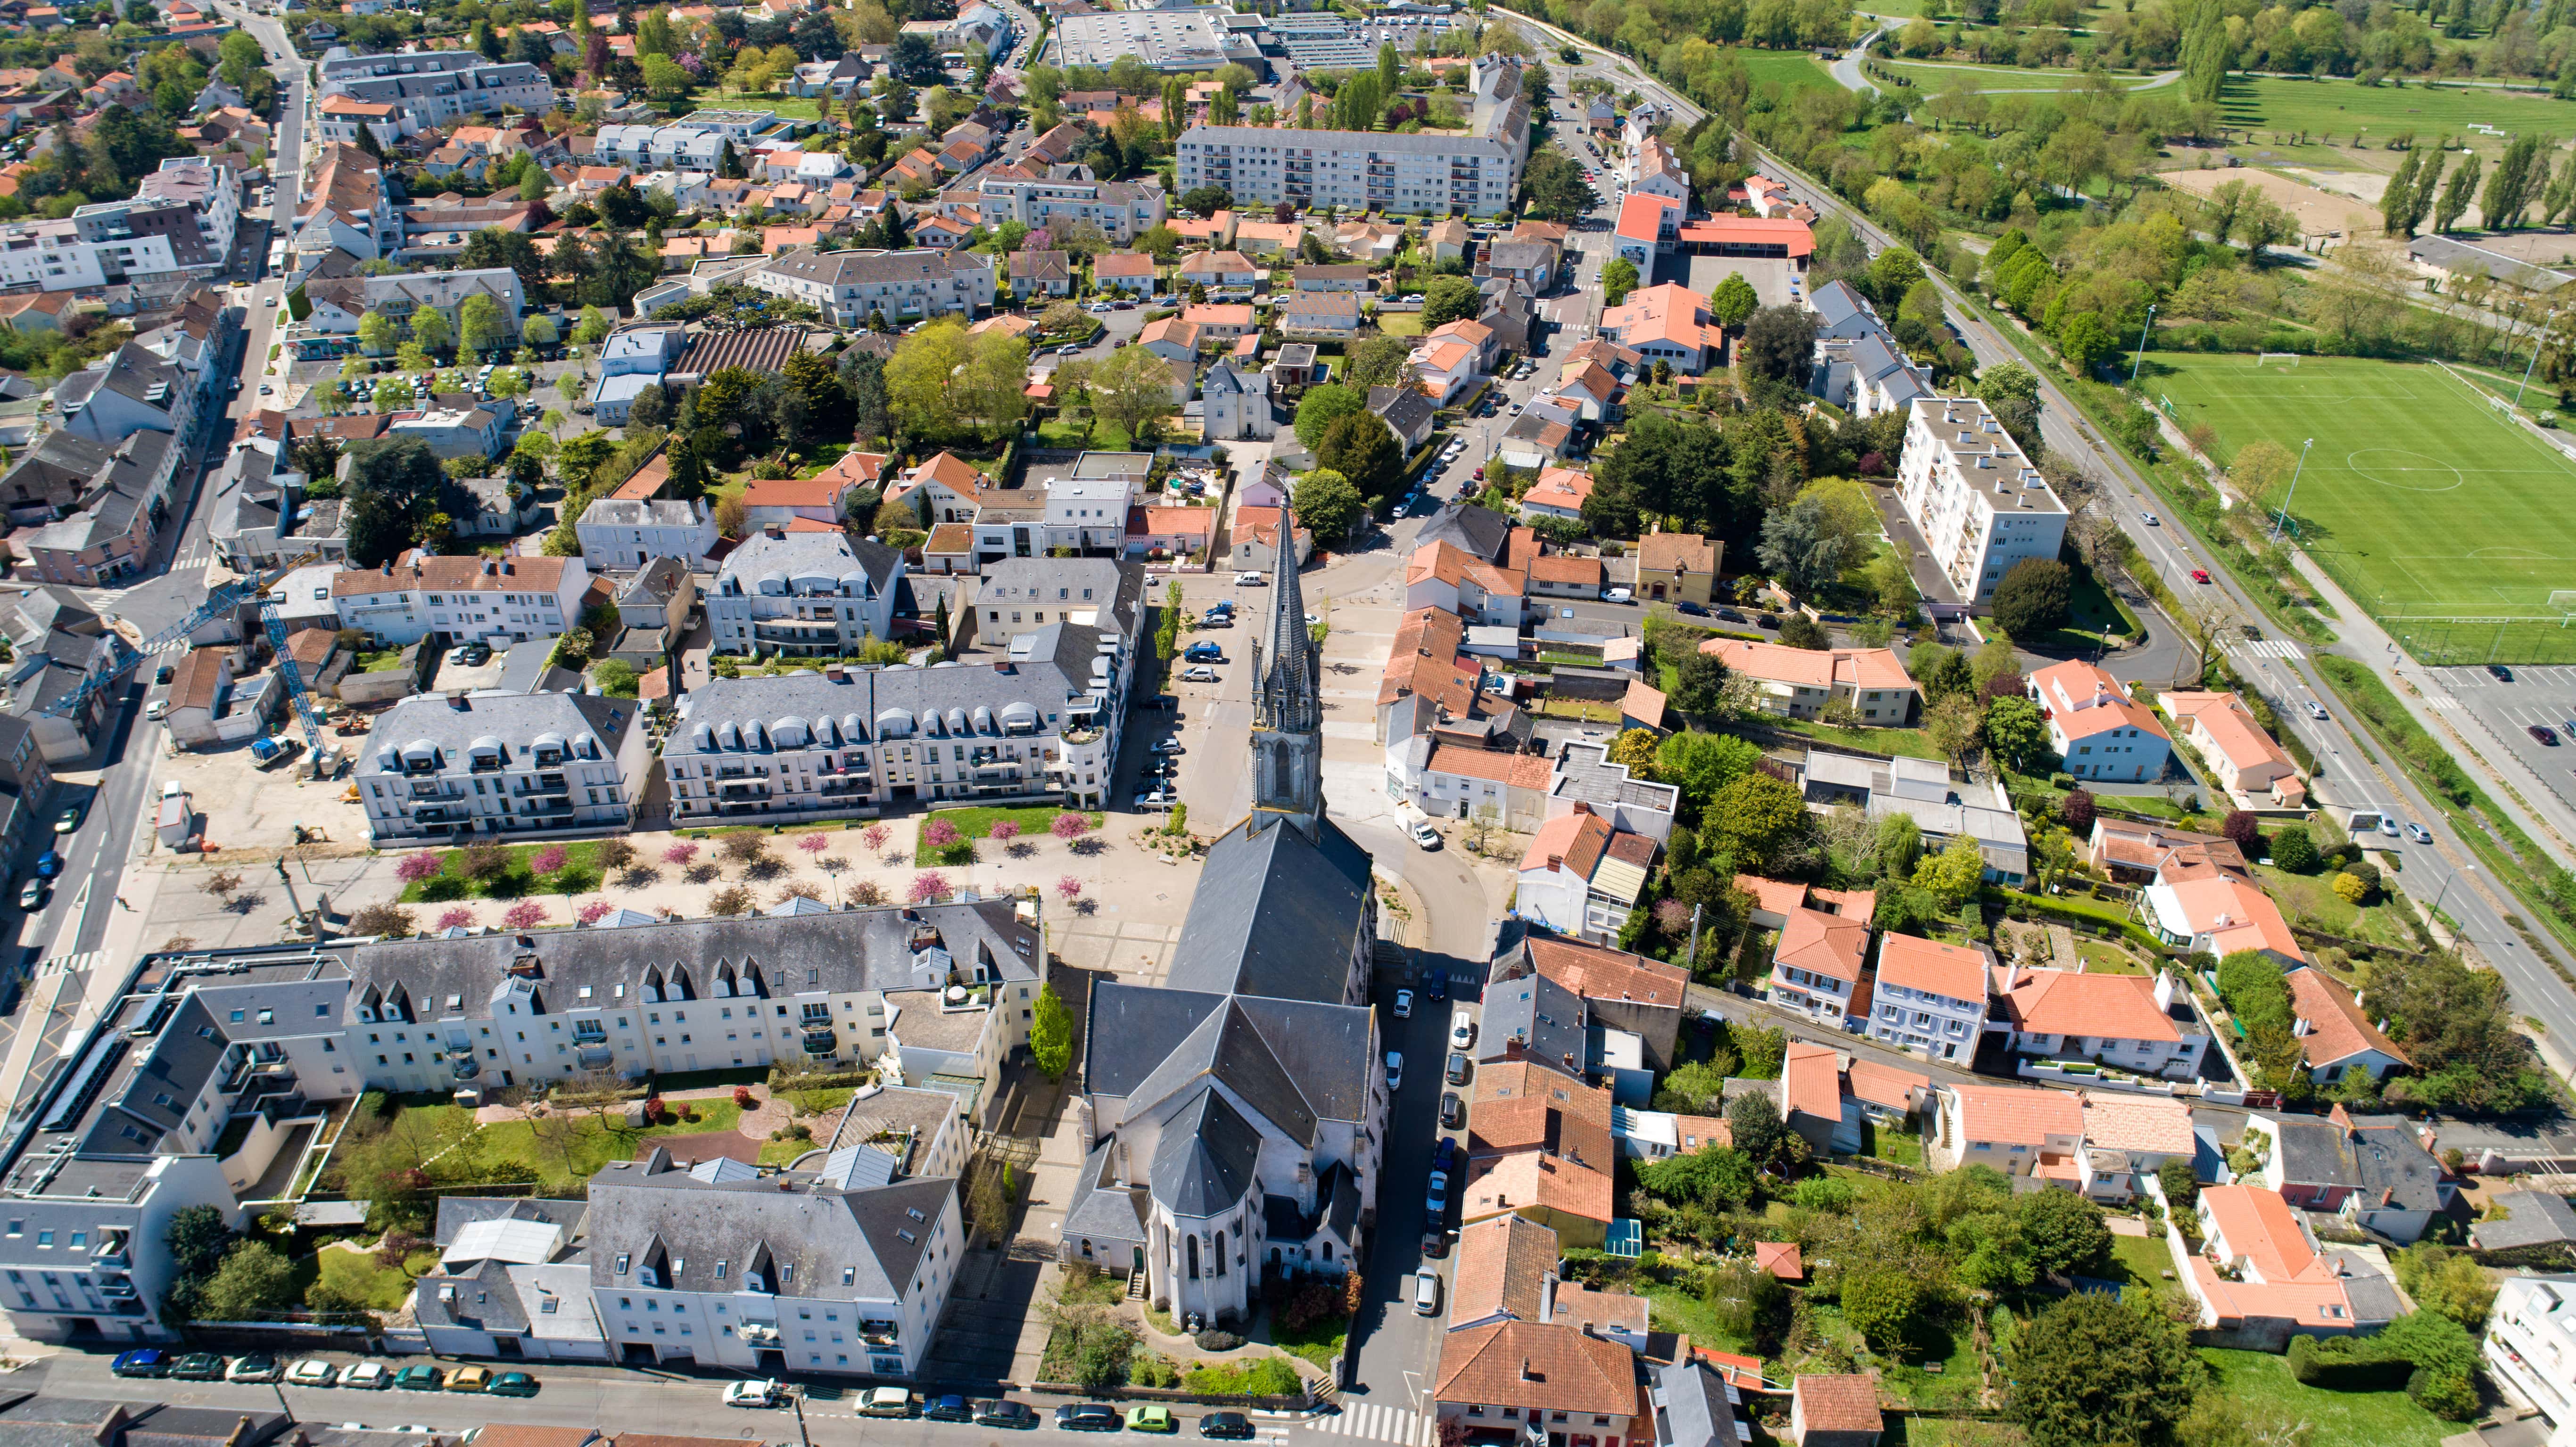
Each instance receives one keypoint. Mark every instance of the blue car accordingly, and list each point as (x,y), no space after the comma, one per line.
(1204,653)
(142,1362)
(48,864)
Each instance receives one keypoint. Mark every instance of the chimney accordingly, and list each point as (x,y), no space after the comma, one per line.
(1527,1375)
(773,530)
(1581,807)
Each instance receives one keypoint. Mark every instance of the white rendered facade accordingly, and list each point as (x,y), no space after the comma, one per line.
(1980,504)
(2530,1348)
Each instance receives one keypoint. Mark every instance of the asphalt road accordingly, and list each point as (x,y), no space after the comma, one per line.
(2442,869)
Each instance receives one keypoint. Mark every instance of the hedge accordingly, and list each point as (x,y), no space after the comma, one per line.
(2348,1364)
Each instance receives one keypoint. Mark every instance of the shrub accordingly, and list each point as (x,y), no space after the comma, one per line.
(525,915)
(419,868)
(2349,888)
(382,919)
(2242,829)
(742,1097)
(595,911)
(2347,1364)
(2077,810)
(2295,850)
(928,887)
(1214,1340)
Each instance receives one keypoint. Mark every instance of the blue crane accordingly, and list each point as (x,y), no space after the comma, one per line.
(218,603)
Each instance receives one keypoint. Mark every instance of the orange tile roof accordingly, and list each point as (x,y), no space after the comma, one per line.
(1865,668)
(1540,1365)
(1754,231)
(1675,552)
(1454,565)
(1916,963)
(1526,1180)
(1170,329)
(1597,972)
(858,469)
(1502,1269)
(1668,313)
(822,490)
(1572,841)
(1520,771)
(1424,660)
(1128,264)
(450,574)
(2261,1229)
(2009,1115)
(1690,1132)
(951,472)
(1599,1312)
(1560,487)
(2235,915)
(2066,691)
(1218,315)
(2152,1124)
(1823,944)
(198,678)
(1192,521)
(1565,570)
(2337,1030)
(1811,1082)
(1641,216)
(2087,1006)
(1846,1403)
(1780,1258)
(2230,726)
(1772,896)
(1885,1085)
(1644,703)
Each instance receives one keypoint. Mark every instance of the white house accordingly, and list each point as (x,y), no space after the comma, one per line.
(503,764)
(2096,727)
(620,533)
(2530,1348)
(2127,1021)
(1580,877)
(497,600)
(1930,997)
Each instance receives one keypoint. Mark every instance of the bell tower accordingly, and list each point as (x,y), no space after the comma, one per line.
(1287,713)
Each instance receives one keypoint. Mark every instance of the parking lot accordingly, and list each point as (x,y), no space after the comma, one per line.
(2537,697)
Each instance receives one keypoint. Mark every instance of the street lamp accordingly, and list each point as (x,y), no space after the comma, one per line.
(2284,514)
(2142,345)
(2445,891)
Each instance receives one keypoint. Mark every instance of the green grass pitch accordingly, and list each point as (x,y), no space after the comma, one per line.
(2418,497)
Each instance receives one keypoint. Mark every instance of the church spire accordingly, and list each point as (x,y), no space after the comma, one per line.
(1287,713)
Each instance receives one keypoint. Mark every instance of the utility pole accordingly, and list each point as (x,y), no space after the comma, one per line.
(2284,514)
(2534,362)
(1690,961)
(2142,345)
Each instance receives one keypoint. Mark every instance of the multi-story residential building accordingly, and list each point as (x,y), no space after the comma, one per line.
(2530,1347)
(623,533)
(130,390)
(1453,580)
(1817,968)
(1123,210)
(189,200)
(262,519)
(106,534)
(2095,726)
(1581,877)
(437,88)
(26,784)
(1929,997)
(2261,1276)
(1088,515)
(458,766)
(1475,175)
(1980,504)
(1677,567)
(847,287)
(339,118)
(496,600)
(2127,1021)
(1022,595)
(1040,722)
(339,303)
(804,594)
(2242,759)
(2012,1129)
(1667,323)
(1802,682)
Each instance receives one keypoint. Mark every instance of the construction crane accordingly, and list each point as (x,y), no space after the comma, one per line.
(221,601)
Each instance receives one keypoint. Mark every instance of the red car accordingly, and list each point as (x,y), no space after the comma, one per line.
(2200,575)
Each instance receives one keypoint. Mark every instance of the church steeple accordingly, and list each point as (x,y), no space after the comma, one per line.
(1287,713)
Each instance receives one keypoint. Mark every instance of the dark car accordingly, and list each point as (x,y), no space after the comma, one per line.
(48,864)
(1087,1417)
(1004,1412)
(199,1367)
(142,1362)
(2499,673)
(1457,1068)
(1453,1111)
(1444,1156)
(1230,1425)
(161,674)
(1436,985)
(1696,610)
(950,1408)
(2543,733)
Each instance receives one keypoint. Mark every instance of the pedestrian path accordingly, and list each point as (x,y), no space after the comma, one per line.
(2265,648)
(1373,1422)
(69,964)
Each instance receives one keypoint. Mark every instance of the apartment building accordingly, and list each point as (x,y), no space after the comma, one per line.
(457,766)
(1980,504)
(1581,877)
(2127,1021)
(622,533)
(1929,998)
(847,287)
(102,533)
(1475,175)
(1817,968)
(2095,726)
(339,303)
(129,390)
(1802,682)
(1123,210)
(437,88)
(2530,1347)
(804,594)
(500,601)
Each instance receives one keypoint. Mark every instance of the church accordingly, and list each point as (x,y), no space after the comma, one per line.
(1234,1116)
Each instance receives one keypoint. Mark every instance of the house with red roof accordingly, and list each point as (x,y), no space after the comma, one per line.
(1180,532)
(1802,682)
(1559,493)
(1668,323)
(2128,1021)
(2096,727)
(2335,1036)
(2127,1139)
(1819,967)
(2241,758)
(1441,575)
(1648,226)
(1930,997)
(1812,1100)
(2220,915)
(1619,990)
(1509,789)
(1581,877)
(2262,1277)
(2016,1130)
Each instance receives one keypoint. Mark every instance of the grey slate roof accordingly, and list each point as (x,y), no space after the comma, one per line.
(514,719)
(797,555)
(1841,312)
(2532,1218)
(479,1300)
(1284,924)
(1404,408)
(1544,1016)
(2380,1160)
(455,1213)
(656,1215)
(862,705)
(1463,525)
(1102,1209)
(1203,1165)
(1691,1409)
(2374,1297)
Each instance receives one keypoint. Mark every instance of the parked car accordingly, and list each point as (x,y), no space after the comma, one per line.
(1149,1417)
(2499,673)
(161,674)
(1696,610)
(70,819)
(1424,835)
(312,1372)
(1426,1292)
(1003,1412)
(368,1377)
(1394,1071)
(1453,1111)
(141,1362)
(1198,673)
(1404,1004)
(754,1393)
(1205,651)
(2543,733)
(1166,746)
(1457,1067)
(948,1407)
(31,895)
(1249,579)
(156,709)
(1444,1152)
(1435,1199)
(513,1384)
(420,1378)
(1225,1426)
(199,1367)
(885,1402)
(1462,1030)
(1086,1417)
(1436,985)
(469,1379)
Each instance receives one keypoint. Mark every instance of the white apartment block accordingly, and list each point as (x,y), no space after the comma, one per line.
(1980,505)
(2530,1348)
(847,286)
(500,601)
(1930,999)
(436,88)
(803,595)
(1121,209)
(624,533)
(460,767)
(1424,174)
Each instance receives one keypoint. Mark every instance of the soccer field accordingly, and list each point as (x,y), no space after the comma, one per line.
(2448,521)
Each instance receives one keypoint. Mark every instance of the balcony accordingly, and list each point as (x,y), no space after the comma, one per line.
(465,1066)
(758,1333)
(821,1041)
(747,789)
(547,808)
(258,1077)
(595,1055)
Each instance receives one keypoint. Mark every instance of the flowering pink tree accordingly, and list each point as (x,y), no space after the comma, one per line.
(939,834)
(679,856)
(1070,886)
(1069,826)
(928,887)
(526,914)
(813,844)
(549,859)
(460,917)
(875,837)
(419,868)
(595,911)
(1004,831)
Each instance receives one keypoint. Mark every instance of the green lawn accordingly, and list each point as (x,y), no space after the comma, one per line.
(2142,1261)
(1400,324)
(1912,743)
(2341,108)
(1671,1308)
(2380,1419)
(594,1145)
(580,872)
(2419,500)
(380,1287)
(1932,77)
(382,661)
(1791,68)
(1107,437)
(977,823)
(2309,899)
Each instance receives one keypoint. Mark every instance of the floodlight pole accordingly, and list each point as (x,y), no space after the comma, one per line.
(2527,366)
(2142,345)
(2281,516)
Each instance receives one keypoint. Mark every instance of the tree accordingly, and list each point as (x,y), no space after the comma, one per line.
(2015,733)
(1555,186)
(1950,878)
(1450,299)
(1802,546)
(915,61)
(252,1284)
(591,329)
(1322,407)
(2295,852)
(430,328)
(376,333)
(1377,362)
(1881,1304)
(1206,201)
(1131,388)
(1733,300)
(2396,199)
(2456,195)
(1754,1123)
(197,1238)
(1702,766)
(1361,448)
(1762,820)
(2011,391)
(481,323)
(391,487)
(2032,599)
(1780,344)
(1800,631)
(1328,504)
(1051,1034)
(2093,1369)
(2064,1232)
(1618,278)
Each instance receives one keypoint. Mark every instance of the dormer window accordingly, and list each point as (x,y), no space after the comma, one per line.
(721,1264)
(623,1259)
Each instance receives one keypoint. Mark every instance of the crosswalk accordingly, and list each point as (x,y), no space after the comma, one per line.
(69,964)
(2265,648)
(1373,1422)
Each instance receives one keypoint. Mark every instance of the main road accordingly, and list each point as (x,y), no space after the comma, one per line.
(2533,966)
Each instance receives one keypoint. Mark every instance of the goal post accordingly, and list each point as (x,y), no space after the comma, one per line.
(2262,357)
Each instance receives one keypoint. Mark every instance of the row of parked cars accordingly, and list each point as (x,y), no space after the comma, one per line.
(1003,1412)
(314,1372)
